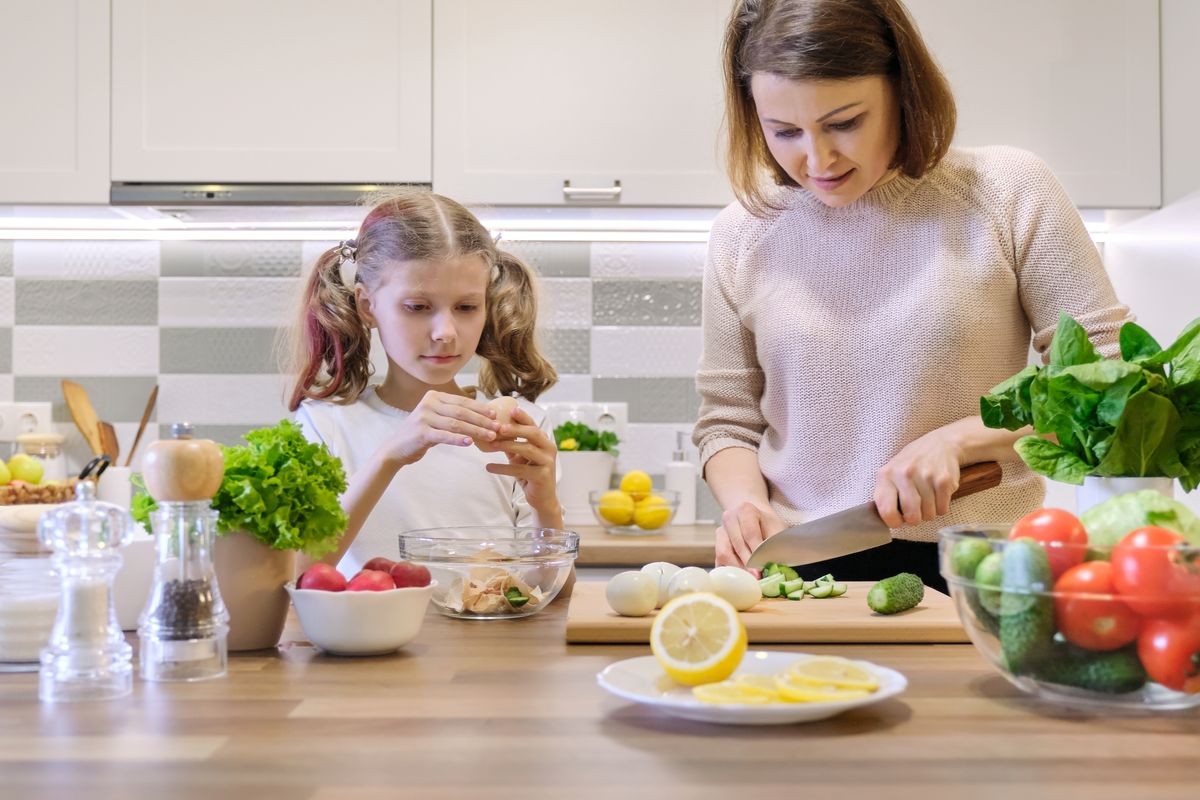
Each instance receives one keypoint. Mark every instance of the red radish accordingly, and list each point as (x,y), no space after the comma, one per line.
(371,580)
(323,577)
(405,573)
(380,563)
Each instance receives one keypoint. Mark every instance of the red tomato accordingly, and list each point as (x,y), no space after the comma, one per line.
(1087,609)
(1170,651)
(1153,575)
(1061,534)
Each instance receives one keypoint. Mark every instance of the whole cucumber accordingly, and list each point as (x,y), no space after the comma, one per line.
(895,594)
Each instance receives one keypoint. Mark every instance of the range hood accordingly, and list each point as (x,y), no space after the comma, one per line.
(236,194)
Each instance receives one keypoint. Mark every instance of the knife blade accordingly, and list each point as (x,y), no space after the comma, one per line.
(855,529)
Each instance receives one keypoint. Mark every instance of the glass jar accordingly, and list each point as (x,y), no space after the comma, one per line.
(29,596)
(46,448)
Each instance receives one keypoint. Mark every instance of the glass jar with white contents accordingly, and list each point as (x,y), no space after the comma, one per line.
(47,449)
(29,597)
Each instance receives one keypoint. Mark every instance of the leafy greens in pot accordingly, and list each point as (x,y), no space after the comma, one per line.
(1137,416)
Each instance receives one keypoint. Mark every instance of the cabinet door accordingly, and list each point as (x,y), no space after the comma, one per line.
(532,94)
(260,91)
(1074,81)
(54,96)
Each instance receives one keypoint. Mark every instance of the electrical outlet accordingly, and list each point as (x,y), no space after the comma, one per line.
(18,418)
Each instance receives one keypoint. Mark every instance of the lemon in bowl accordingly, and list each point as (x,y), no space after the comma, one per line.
(623,515)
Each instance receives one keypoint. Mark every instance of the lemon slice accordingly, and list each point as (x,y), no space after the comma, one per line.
(734,692)
(795,691)
(838,672)
(765,683)
(698,638)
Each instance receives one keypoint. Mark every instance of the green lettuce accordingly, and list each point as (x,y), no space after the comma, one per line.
(1135,416)
(1108,522)
(281,489)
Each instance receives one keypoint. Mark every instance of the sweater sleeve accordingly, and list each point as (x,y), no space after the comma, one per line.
(730,379)
(1058,267)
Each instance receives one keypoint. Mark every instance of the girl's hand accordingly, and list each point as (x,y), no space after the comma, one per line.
(743,528)
(440,418)
(532,456)
(915,486)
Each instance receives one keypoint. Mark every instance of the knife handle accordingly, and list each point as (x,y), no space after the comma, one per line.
(977,477)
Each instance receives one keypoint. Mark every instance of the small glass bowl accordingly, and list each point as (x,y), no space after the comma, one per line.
(493,572)
(1044,663)
(648,517)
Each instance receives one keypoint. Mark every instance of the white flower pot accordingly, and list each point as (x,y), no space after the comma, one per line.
(582,472)
(1095,491)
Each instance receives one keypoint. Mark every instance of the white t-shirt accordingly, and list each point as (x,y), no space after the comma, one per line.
(449,486)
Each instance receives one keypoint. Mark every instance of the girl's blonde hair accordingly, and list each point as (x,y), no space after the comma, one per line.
(805,40)
(331,348)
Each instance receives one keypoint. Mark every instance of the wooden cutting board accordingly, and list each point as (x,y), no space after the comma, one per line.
(844,619)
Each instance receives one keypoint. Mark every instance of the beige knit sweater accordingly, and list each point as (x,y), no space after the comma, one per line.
(834,337)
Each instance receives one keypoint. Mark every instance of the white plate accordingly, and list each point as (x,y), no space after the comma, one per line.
(643,681)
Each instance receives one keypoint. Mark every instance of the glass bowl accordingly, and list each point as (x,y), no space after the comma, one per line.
(493,572)
(621,515)
(1072,641)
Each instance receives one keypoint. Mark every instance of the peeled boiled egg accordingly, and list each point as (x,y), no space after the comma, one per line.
(662,572)
(631,594)
(737,586)
(689,579)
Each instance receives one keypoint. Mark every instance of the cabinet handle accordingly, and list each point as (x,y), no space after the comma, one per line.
(592,192)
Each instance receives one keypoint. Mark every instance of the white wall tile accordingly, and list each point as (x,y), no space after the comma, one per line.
(635,352)
(85,350)
(648,259)
(569,389)
(6,388)
(649,446)
(565,303)
(222,399)
(227,302)
(85,259)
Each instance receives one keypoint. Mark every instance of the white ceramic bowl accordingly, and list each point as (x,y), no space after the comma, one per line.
(361,623)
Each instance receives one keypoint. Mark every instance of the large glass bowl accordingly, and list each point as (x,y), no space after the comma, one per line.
(1017,621)
(486,572)
(647,517)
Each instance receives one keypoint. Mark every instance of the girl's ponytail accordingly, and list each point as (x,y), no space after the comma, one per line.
(331,348)
(508,346)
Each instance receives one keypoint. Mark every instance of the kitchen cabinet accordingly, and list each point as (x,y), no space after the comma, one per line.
(1074,81)
(253,91)
(548,102)
(54,95)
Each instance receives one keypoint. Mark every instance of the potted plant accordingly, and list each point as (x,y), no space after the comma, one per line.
(279,495)
(587,457)
(1120,425)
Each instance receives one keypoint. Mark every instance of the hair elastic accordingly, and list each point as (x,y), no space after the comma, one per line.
(346,250)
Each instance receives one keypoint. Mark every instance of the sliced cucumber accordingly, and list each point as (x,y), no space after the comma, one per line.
(826,578)
(796,595)
(792,586)
(839,589)
(821,590)
(770,569)
(788,573)
(771,585)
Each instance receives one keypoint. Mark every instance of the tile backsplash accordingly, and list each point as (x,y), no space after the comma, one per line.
(620,321)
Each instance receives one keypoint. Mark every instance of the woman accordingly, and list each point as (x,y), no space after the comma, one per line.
(859,300)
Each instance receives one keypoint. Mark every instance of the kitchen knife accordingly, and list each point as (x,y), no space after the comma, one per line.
(854,529)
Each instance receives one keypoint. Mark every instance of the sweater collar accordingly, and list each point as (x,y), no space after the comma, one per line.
(889,194)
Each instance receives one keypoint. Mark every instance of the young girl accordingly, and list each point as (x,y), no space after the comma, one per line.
(420,451)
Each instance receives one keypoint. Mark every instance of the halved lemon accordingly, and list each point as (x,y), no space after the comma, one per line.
(734,692)
(797,691)
(698,638)
(830,670)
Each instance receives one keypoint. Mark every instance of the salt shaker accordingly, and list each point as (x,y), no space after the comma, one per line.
(87,657)
(184,625)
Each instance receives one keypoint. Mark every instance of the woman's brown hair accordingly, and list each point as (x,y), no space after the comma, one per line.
(331,348)
(805,40)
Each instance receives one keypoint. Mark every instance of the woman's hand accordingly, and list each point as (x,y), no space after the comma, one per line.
(743,528)
(915,486)
(532,456)
(440,418)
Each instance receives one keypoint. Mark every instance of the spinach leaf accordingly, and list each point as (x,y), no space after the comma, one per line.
(1071,345)
(1047,458)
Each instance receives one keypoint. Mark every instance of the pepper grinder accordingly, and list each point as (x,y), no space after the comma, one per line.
(87,657)
(184,626)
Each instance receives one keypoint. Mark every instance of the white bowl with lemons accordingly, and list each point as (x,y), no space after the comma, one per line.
(645,512)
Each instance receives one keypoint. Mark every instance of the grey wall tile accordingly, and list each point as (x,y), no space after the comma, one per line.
(231,259)
(218,351)
(570,351)
(86,302)
(651,399)
(707,507)
(6,359)
(221,434)
(116,399)
(6,258)
(646,303)
(554,259)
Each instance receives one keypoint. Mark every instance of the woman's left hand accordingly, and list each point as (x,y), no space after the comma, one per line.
(915,486)
(532,455)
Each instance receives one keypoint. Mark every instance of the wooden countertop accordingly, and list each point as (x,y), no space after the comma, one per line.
(507,710)
(684,545)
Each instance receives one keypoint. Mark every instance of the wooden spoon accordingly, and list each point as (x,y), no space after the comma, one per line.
(108,440)
(84,414)
(142,426)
